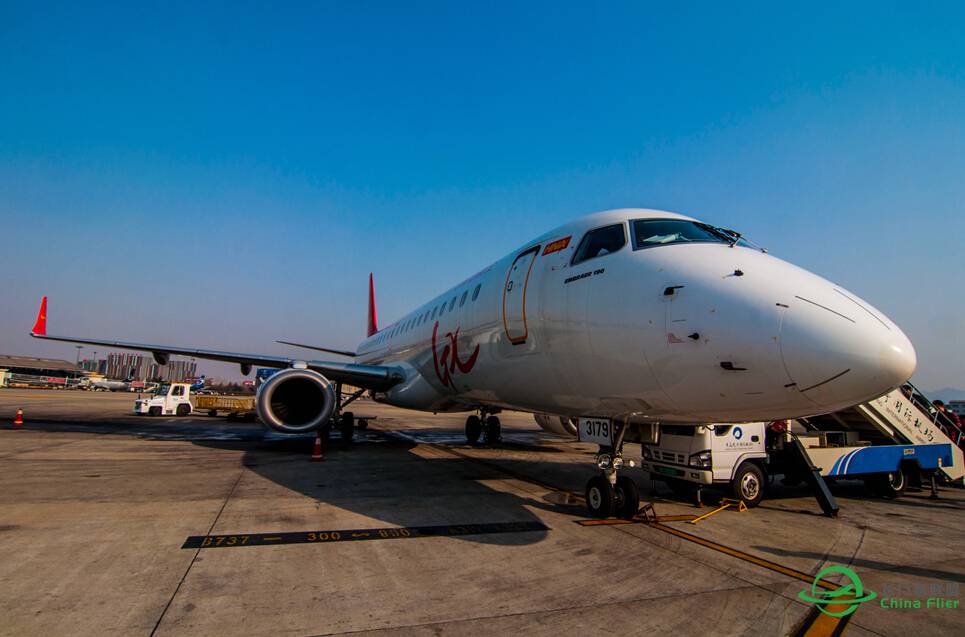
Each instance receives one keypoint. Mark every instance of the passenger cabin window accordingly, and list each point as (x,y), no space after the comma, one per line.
(600,242)
(462,301)
(475,293)
(452,303)
(649,233)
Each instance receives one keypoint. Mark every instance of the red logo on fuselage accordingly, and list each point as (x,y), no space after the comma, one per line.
(448,361)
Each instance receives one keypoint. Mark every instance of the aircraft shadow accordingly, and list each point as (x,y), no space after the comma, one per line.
(383,479)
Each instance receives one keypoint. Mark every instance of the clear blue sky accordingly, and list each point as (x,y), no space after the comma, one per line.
(228,175)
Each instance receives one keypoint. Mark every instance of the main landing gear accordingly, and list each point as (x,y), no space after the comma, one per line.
(344,421)
(609,494)
(486,425)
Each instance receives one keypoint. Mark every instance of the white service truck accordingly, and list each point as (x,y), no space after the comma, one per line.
(744,457)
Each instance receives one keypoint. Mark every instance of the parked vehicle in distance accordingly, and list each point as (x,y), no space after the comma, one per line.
(177,399)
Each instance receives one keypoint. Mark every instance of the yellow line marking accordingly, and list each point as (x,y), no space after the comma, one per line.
(819,624)
(616,522)
(747,557)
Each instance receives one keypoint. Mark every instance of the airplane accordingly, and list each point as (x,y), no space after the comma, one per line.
(631,316)
(110,385)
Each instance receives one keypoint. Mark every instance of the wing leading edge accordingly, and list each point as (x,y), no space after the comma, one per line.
(374,377)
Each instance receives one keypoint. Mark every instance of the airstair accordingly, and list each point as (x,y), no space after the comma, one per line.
(903,416)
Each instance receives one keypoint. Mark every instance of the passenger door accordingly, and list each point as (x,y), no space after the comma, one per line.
(514,296)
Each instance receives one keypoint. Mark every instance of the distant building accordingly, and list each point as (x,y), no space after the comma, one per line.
(27,370)
(127,365)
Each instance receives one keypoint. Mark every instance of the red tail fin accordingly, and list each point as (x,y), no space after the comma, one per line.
(40,327)
(373,320)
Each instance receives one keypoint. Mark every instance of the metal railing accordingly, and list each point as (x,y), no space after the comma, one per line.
(942,420)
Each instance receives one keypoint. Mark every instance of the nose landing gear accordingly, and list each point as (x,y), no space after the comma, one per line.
(609,494)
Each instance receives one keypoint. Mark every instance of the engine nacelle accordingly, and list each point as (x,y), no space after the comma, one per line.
(559,425)
(295,401)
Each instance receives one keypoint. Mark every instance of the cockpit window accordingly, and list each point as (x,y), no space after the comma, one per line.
(599,242)
(648,233)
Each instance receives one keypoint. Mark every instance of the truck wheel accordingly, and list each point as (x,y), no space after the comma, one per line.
(154,411)
(627,501)
(748,484)
(890,485)
(346,425)
(182,410)
(213,413)
(599,497)
(362,424)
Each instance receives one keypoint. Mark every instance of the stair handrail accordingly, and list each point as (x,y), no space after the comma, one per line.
(939,419)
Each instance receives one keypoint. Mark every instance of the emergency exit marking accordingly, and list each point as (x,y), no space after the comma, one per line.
(348,535)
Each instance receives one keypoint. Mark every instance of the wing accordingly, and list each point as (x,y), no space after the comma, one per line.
(375,377)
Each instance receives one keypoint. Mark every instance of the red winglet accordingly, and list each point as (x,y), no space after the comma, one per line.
(40,327)
(373,326)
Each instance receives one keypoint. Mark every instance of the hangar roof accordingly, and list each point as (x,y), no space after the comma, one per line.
(8,362)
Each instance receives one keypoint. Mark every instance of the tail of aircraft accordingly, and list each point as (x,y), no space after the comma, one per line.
(373,320)
(40,327)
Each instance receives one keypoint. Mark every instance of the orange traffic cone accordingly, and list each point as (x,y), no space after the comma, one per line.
(317,452)
(18,421)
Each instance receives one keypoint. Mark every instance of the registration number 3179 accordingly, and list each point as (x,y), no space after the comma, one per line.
(598,430)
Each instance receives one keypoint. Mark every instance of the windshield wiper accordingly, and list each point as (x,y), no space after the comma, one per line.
(720,232)
(733,235)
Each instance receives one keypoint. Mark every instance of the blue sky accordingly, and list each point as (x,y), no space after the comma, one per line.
(228,175)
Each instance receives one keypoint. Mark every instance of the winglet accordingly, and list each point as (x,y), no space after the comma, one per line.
(40,327)
(373,320)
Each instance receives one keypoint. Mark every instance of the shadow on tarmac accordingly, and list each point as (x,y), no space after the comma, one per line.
(377,476)
(870,564)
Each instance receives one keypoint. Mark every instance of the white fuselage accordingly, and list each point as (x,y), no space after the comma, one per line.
(663,330)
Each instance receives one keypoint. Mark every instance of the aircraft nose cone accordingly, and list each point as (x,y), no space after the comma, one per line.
(840,351)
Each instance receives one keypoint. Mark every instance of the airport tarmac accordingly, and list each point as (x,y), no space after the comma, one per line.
(114,524)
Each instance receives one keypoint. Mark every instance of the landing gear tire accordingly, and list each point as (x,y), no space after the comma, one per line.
(748,484)
(473,429)
(600,497)
(346,426)
(182,410)
(627,498)
(154,411)
(493,431)
(890,485)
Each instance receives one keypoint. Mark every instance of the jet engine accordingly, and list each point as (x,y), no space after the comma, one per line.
(295,401)
(559,425)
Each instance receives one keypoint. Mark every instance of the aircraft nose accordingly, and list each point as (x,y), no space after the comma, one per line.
(840,351)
